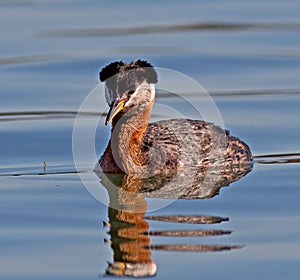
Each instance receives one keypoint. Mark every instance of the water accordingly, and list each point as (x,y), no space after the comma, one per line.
(245,54)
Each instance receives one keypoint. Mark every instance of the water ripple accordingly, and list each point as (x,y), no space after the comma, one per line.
(188,219)
(238,93)
(150,29)
(36,115)
(194,247)
(40,115)
(278,158)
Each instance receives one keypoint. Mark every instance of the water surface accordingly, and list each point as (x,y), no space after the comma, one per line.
(245,54)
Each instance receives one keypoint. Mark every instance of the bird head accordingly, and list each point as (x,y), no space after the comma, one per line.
(128,87)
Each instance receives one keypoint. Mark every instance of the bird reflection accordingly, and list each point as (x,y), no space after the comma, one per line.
(128,227)
(128,231)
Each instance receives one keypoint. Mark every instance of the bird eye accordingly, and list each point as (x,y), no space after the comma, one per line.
(130,92)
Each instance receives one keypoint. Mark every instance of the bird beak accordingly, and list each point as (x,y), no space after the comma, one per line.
(116,107)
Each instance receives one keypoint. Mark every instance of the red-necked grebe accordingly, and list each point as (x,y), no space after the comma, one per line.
(163,147)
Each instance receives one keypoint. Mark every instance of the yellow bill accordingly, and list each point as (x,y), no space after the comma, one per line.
(115,108)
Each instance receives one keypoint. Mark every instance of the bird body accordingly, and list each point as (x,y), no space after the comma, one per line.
(164,147)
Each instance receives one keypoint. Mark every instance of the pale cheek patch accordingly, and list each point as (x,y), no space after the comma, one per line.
(152,88)
(109,95)
(143,95)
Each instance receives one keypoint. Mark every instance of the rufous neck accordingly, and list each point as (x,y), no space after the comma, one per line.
(128,132)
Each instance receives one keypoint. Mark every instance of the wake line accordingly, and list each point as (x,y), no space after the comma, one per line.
(281,158)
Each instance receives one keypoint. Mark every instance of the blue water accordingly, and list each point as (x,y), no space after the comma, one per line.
(50,55)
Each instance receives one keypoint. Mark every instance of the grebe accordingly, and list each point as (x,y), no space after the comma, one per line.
(164,147)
